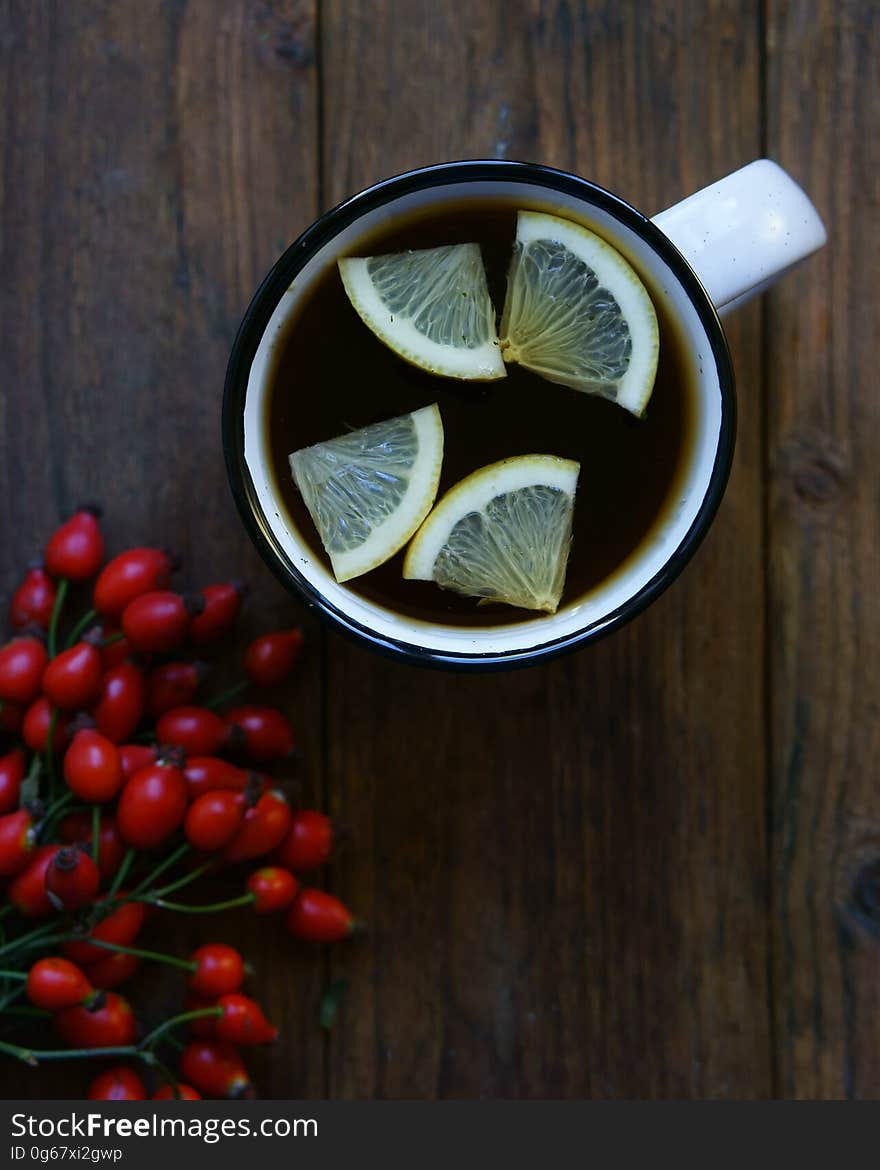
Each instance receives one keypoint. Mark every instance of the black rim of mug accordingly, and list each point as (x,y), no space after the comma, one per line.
(321,232)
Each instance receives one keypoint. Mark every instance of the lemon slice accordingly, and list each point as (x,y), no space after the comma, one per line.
(369,490)
(502,533)
(432,307)
(576,313)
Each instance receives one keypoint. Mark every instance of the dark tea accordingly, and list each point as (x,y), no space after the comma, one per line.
(331,374)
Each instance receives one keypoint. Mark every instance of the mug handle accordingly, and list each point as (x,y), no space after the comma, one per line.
(744,232)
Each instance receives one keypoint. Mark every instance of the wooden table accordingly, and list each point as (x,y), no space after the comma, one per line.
(651,869)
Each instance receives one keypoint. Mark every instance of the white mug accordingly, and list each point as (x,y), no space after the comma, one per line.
(709,254)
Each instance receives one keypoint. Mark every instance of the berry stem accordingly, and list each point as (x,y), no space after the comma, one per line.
(199,1013)
(193,875)
(13,974)
(209,908)
(50,818)
(33,1056)
(153,956)
(170,860)
(96,833)
(52,638)
(112,639)
(226,696)
(121,873)
(29,939)
(11,997)
(80,628)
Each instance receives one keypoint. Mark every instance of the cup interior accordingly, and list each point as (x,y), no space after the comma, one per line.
(698,487)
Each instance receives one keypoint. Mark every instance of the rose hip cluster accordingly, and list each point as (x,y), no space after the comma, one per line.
(118,789)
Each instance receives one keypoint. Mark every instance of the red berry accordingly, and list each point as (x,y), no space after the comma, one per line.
(222,604)
(243,1021)
(110,1026)
(114,970)
(129,575)
(270,658)
(27,891)
(114,648)
(76,829)
(319,917)
(92,767)
(17,840)
(219,971)
(22,663)
(151,806)
(208,773)
(212,820)
(173,685)
(54,983)
(215,1069)
(121,926)
(121,704)
(134,756)
(265,826)
(268,734)
(72,879)
(309,843)
(156,622)
(273,888)
(12,770)
(33,601)
(76,549)
(37,724)
(178,1092)
(202,1027)
(198,731)
(73,678)
(119,1083)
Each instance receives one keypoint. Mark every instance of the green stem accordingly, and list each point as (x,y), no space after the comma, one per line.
(96,834)
(33,1013)
(81,626)
(193,875)
(154,956)
(226,696)
(199,1013)
(51,818)
(52,639)
(112,639)
(171,859)
(121,874)
(210,908)
(11,998)
(13,974)
(33,1056)
(31,937)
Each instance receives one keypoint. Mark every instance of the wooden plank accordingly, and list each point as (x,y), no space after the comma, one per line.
(565,868)
(823,95)
(156,160)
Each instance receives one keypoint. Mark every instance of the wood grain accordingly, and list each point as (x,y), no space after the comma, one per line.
(156,160)
(568,874)
(565,868)
(822,357)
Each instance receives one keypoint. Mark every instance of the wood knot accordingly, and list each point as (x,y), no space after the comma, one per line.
(818,480)
(866,895)
(817,473)
(291,48)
